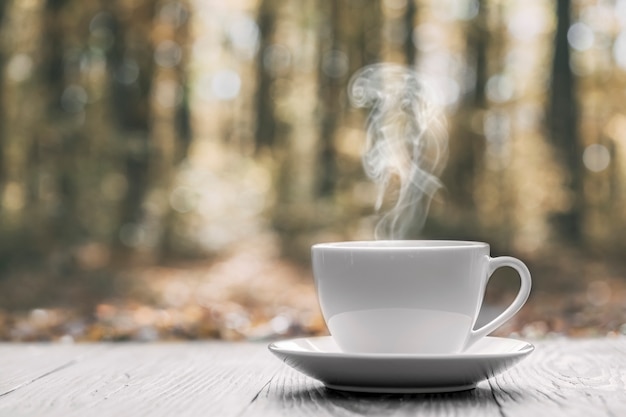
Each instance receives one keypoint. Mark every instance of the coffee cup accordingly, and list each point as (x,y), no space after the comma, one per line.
(409,296)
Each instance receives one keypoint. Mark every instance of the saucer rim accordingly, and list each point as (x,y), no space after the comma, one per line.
(402,390)
(525,349)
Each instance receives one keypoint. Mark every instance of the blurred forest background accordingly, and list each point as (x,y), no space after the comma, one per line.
(165,165)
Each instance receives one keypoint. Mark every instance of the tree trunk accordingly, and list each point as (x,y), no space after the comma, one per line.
(563,125)
(410,15)
(367,35)
(131,105)
(468,146)
(62,137)
(329,81)
(353,33)
(265,131)
(3,8)
(182,131)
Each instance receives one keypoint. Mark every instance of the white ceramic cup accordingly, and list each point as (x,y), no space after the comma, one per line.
(411,296)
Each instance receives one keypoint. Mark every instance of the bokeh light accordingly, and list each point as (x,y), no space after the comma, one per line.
(225,84)
(277,59)
(168,54)
(580,36)
(619,50)
(335,63)
(19,68)
(74,99)
(500,88)
(168,93)
(527,21)
(596,157)
(183,199)
(244,34)
(128,72)
(173,13)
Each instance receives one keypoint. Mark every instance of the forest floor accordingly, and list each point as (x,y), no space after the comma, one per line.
(254,294)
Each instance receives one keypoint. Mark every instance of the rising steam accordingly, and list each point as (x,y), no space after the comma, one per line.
(406,144)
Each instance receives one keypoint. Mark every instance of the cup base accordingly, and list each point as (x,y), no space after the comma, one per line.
(400,330)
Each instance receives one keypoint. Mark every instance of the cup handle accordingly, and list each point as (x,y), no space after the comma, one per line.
(520,299)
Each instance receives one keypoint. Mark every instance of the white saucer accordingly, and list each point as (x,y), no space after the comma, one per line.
(320,358)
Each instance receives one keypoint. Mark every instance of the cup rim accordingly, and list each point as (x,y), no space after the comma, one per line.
(421,244)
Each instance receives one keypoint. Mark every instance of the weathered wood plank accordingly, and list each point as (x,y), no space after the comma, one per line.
(567,377)
(292,394)
(191,379)
(561,378)
(23,364)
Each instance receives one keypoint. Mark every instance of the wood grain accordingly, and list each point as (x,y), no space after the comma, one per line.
(561,378)
(23,364)
(292,394)
(567,377)
(193,379)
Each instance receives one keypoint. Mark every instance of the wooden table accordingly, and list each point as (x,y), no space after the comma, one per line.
(212,379)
